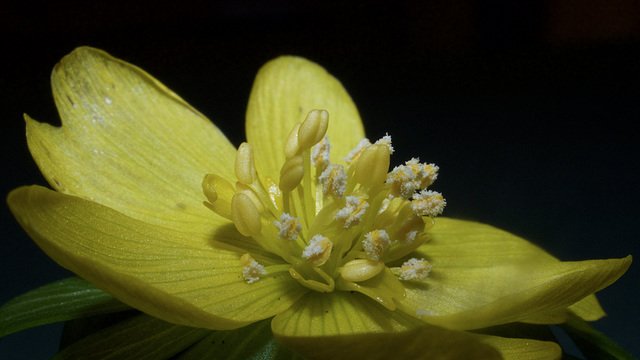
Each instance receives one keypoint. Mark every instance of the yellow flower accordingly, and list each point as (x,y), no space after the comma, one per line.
(313,231)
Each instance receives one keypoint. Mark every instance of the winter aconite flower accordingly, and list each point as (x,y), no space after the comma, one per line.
(305,223)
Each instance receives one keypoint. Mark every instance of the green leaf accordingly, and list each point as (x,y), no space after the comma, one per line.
(67,299)
(593,343)
(250,342)
(141,337)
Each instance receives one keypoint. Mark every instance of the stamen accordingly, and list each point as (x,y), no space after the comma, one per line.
(245,215)
(291,173)
(320,155)
(219,192)
(373,165)
(334,180)
(400,179)
(318,250)
(428,203)
(292,146)
(361,269)
(313,128)
(385,140)
(242,188)
(357,151)
(375,243)
(352,213)
(251,269)
(410,227)
(425,174)
(414,269)
(288,227)
(245,168)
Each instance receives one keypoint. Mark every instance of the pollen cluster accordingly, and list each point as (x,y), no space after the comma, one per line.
(334,226)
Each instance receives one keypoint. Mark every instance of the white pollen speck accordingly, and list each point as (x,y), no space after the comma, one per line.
(107,100)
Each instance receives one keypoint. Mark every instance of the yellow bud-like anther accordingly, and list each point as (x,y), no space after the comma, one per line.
(219,192)
(313,128)
(292,146)
(318,250)
(245,215)
(373,165)
(245,168)
(291,173)
(361,269)
(242,188)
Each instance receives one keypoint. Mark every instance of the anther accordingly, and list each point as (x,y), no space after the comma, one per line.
(373,165)
(334,180)
(361,269)
(320,154)
(313,128)
(292,146)
(428,203)
(245,168)
(375,243)
(242,188)
(425,174)
(245,215)
(400,179)
(385,140)
(352,213)
(291,173)
(288,227)
(355,153)
(318,250)
(414,269)
(219,192)
(251,269)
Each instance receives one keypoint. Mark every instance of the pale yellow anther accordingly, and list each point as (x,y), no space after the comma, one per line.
(361,269)
(375,243)
(288,227)
(219,193)
(428,203)
(313,128)
(291,173)
(401,181)
(425,174)
(245,215)
(410,227)
(334,180)
(353,211)
(373,165)
(292,146)
(385,140)
(414,269)
(320,154)
(251,269)
(355,153)
(242,188)
(245,168)
(318,250)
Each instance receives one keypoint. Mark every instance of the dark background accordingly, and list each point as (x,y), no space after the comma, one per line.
(528,107)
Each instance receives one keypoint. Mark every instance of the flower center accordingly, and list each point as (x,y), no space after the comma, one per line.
(349,227)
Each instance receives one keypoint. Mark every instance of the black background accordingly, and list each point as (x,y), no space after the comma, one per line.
(529,108)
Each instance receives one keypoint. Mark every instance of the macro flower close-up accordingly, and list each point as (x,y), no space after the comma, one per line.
(309,234)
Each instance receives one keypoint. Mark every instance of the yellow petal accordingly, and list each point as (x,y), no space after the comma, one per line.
(352,326)
(483,276)
(284,92)
(129,143)
(165,273)
(523,349)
